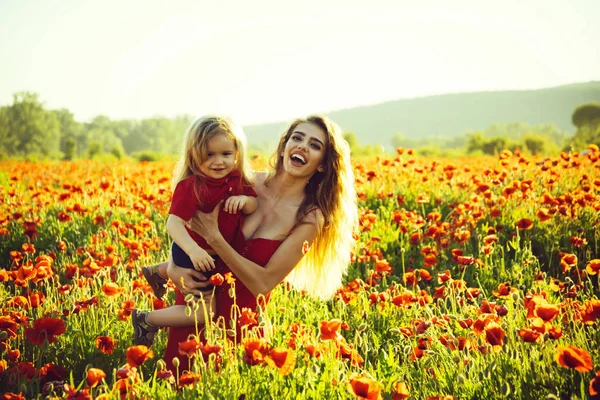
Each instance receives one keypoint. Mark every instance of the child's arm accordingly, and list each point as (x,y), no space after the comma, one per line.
(245,204)
(200,258)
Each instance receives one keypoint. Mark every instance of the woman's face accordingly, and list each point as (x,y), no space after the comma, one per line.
(304,151)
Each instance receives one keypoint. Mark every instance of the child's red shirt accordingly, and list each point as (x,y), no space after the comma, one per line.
(184,202)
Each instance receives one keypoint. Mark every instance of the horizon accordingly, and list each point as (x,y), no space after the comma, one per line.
(355,55)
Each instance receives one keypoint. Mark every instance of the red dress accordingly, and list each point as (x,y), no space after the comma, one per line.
(258,250)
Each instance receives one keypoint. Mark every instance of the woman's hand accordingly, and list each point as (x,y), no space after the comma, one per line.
(206,224)
(187,280)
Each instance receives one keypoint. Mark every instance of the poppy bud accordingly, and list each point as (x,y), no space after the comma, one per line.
(175,362)
(189,297)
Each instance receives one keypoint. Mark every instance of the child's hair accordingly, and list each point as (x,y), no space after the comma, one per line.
(322,268)
(195,143)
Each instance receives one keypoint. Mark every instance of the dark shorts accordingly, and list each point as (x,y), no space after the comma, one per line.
(181,259)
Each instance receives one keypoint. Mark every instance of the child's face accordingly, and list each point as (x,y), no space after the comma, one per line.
(222,156)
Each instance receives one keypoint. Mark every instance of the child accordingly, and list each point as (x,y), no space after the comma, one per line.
(212,168)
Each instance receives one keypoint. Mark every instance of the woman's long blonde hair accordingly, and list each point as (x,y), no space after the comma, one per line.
(322,268)
(195,144)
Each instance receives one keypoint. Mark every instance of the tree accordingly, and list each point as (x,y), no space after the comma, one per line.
(536,144)
(586,118)
(70,130)
(495,145)
(475,142)
(31,130)
(70,147)
(586,114)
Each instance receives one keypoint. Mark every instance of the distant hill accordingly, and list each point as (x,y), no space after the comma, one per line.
(450,115)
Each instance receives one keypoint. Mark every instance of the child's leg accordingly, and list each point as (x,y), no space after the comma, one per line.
(162,270)
(147,323)
(175,316)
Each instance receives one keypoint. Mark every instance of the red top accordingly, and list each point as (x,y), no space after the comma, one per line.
(203,193)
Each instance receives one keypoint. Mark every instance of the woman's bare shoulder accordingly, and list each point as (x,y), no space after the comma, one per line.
(314,216)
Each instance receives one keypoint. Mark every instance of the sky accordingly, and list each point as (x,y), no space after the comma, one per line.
(272,60)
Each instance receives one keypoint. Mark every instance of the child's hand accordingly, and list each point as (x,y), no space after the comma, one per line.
(201,259)
(235,203)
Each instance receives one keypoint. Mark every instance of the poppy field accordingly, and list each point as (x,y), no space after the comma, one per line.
(471,278)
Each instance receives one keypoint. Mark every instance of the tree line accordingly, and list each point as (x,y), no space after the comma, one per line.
(29,130)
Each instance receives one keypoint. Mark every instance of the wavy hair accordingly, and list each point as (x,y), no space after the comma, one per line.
(195,147)
(321,270)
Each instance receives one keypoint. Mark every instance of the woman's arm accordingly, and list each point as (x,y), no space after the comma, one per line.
(258,279)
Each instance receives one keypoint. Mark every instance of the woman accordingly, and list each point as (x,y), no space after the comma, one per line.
(309,196)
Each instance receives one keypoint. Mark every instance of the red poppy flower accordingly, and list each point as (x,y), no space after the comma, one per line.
(524,224)
(282,359)
(543,215)
(444,276)
(8,325)
(348,353)
(529,335)
(126,372)
(593,267)
(188,378)
(255,350)
(466,323)
(463,260)
(95,376)
(400,391)
(208,349)
(189,347)
(52,372)
(217,279)
(430,260)
(573,357)
(63,217)
(567,261)
(164,375)
(13,396)
(106,344)
(111,289)
(364,387)
(329,329)
(504,290)
(591,311)
(248,317)
(45,329)
(138,355)
(472,293)
(547,312)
